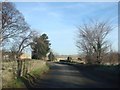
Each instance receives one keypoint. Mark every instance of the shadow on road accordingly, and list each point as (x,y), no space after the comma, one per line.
(110,79)
(70,76)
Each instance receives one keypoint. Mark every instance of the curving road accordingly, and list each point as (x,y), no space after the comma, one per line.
(66,76)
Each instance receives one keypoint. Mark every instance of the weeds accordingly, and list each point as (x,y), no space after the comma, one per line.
(36,69)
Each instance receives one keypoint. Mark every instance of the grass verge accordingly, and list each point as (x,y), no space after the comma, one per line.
(36,69)
(30,79)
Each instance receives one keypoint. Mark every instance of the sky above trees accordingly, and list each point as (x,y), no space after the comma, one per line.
(59,20)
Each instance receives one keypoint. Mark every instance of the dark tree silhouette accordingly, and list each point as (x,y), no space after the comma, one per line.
(13,22)
(51,56)
(40,47)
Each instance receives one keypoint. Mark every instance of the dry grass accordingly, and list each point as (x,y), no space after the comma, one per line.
(36,64)
(8,77)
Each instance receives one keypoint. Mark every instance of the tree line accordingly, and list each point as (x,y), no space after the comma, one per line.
(16,32)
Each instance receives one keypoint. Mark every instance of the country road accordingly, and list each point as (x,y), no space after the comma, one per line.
(66,76)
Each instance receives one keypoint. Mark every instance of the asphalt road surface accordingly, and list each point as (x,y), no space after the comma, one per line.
(66,76)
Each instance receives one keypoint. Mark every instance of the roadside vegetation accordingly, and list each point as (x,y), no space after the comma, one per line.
(18,37)
(92,42)
(95,48)
(36,68)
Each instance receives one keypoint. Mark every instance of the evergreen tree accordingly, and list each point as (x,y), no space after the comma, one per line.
(40,46)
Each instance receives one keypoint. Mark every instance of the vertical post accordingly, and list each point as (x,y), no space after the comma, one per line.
(19,70)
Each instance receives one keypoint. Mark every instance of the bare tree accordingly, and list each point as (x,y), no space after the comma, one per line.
(13,22)
(23,41)
(92,39)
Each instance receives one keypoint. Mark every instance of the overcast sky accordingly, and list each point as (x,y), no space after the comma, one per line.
(59,20)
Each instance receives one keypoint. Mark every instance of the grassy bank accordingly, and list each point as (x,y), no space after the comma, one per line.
(38,67)
(35,69)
